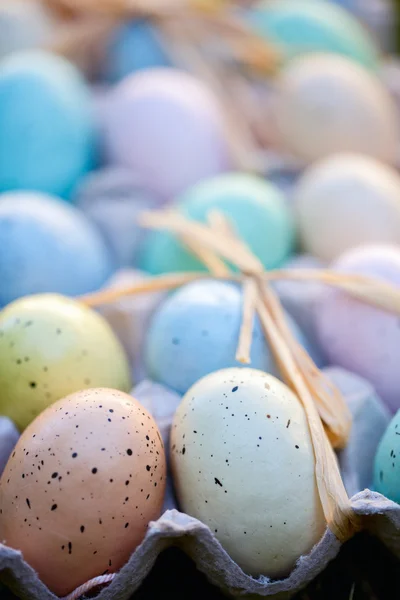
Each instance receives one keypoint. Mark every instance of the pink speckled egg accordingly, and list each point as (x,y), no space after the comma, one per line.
(167,127)
(357,336)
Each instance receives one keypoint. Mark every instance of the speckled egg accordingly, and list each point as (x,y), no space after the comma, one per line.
(305,26)
(51,346)
(326,104)
(113,199)
(243,464)
(48,246)
(46,126)
(24,24)
(196,331)
(347,200)
(134,46)
(80,488)
(357,336)
(387,462)
(255,208)
(167,127)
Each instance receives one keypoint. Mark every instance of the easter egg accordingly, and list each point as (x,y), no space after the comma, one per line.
(46,141)
(326,104)
(243,464)
(23,24)
(113,199)
(167,127)
(306,26)
(80,488)
(196,331)
(134,46)
(51,346)
(360,337)
(48,246)
(347,200)
(387,462)
(255,208)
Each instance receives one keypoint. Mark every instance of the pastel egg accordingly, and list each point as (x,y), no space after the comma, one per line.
(196,331)
(134,46)
(113,199)
(306,26)
(243,464)
(255,208)
(360,337)
(23,24)
(347,200)
(167,127)
(51,346)
(387,462)
(81,487)
(327,104)
(48,246)
(46,143)
(9,436)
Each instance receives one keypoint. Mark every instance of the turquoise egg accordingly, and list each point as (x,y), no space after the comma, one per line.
(302,26)
(196,331)
(46,141)
(387,462)
(48,246)
(134,46)
(256,209)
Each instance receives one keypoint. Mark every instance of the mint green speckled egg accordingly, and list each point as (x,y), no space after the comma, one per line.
(387,462)
(256,209)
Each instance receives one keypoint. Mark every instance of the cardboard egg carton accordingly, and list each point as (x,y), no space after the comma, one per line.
(381,516)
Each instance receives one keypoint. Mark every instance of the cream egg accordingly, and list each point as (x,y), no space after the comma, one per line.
(327,104)
(81,486)
(243,463)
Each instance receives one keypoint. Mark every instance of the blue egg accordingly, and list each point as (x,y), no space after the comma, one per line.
(196,331)
(301,26)
(48,246)
(387,462)
(135,46)
(255,208)
(46,124)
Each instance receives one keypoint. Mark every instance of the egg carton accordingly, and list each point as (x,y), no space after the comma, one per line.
(174,528)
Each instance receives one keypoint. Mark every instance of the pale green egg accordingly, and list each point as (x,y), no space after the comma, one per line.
(52,346)
(387,462)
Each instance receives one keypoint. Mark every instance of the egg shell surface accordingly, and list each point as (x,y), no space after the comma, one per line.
(80,488)
(306,26)
(196,331)
(255,208)
(387,462)
(347,200)
(167,127)
(51,346)
(136,45)
(327,104)
(47,133)
(48,246)
(360,337)
(243,464)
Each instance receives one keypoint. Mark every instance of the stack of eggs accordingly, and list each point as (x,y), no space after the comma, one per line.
(74,177)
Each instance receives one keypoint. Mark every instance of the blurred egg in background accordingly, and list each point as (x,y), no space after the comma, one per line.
(48,246)
(24,24)
(46,123)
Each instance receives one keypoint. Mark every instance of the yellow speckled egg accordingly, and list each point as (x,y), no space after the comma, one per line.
(52,346)
(78,492)
(327,104)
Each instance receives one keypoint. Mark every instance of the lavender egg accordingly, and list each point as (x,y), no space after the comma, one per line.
(112,198)
(360,337)
(167,127)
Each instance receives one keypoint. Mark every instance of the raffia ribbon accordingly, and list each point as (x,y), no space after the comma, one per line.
(328,417)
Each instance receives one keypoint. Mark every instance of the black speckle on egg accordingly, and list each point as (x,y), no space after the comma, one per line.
(82,528)
(54,507)
(28,503)
(74,455)
(94,470)
(148,467)
(129,452)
